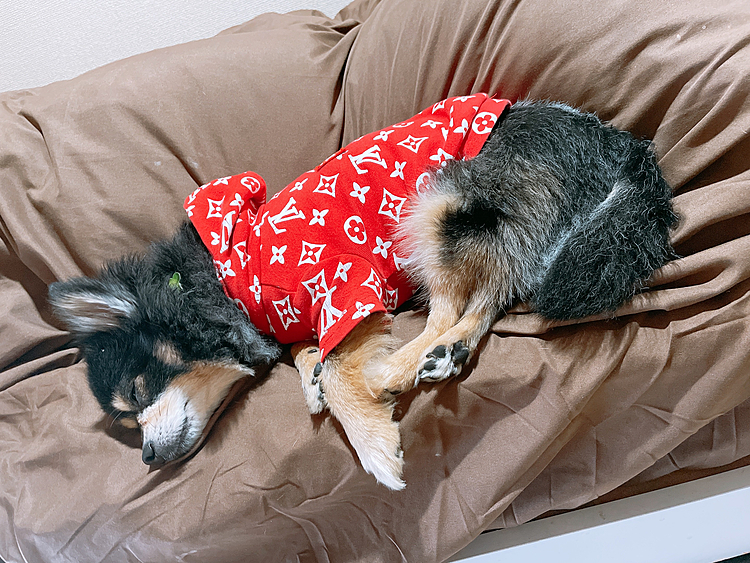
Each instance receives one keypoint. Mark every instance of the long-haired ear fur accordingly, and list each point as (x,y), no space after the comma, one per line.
(89,305)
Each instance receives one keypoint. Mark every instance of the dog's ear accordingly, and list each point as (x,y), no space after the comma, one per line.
(89,305)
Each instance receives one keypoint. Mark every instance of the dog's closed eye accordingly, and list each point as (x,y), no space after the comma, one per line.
(135,396)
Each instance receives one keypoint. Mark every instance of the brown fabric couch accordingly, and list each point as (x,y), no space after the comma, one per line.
(548,416)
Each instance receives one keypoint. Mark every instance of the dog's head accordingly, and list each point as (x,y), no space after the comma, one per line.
(164,345)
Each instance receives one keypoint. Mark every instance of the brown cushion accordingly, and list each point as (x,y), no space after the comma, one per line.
(548,416)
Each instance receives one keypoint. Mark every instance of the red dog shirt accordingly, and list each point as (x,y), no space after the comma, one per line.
(320,255)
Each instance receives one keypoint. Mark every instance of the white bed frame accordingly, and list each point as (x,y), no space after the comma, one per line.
(703,521)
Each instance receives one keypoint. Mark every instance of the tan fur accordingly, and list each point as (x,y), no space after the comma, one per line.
(207,384)
(121,404)
(364,414)
(167,353)
(128,422)
(462,294)
(183,409)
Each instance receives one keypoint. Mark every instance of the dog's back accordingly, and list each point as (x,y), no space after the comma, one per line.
(571,214)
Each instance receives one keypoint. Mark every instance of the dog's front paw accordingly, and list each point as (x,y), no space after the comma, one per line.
(307,361)
(313,390)
(443,362)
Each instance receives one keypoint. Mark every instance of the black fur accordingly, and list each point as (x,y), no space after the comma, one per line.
(198,319)
(557,209)
(537,194)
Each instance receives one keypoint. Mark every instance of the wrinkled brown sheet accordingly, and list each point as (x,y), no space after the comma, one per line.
(548,417)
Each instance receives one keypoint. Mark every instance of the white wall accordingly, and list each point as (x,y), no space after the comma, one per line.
(42,41)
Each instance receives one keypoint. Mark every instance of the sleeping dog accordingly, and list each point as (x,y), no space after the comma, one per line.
(475,202)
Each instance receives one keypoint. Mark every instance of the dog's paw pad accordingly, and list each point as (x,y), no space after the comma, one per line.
(440,351)
(440,364)
(459,353)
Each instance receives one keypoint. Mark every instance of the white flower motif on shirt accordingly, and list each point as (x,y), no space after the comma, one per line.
(342,271)
(382,247)
(237,201)
(298,185)
(422,182)
(463,129)
(484,122)
(359,191)
(327,185)
(354,229)
(399,171)
(431,124)
(214,207)
(286,311)
(383,135)
(252,184)
(224,180)
(244,256)
(310,253)
(318,287)
(442,157)
(224,269)
(362,310)
(278,254)
(319,217)
(391,299)
(413,143)
(391,205)
(255,289)
(374,283)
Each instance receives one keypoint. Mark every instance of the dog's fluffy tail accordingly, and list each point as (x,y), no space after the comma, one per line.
(606,256)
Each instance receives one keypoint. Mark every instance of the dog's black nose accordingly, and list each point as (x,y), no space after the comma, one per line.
(149,455)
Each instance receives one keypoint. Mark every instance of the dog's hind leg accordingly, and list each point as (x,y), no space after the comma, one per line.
(448,353)
(400,371)
(366,417)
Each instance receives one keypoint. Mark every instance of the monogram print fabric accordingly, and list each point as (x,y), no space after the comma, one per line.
(321,255)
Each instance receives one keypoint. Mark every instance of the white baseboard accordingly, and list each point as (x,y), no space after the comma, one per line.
(702,521)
